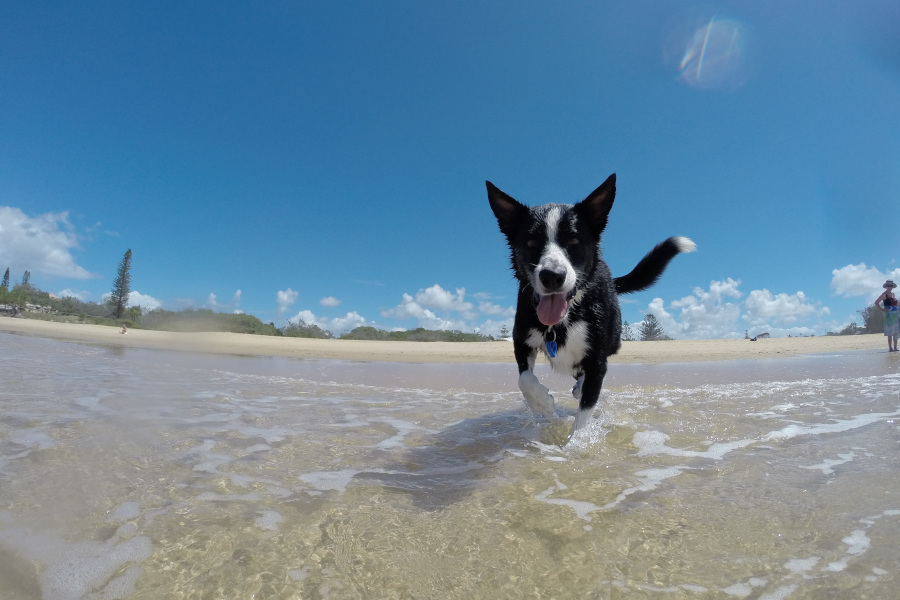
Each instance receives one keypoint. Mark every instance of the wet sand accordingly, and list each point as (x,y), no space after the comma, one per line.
(237,344)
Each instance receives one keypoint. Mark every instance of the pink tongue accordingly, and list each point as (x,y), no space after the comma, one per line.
(552,308)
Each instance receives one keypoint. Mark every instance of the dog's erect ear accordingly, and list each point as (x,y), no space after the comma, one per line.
(508,210)
(595,208)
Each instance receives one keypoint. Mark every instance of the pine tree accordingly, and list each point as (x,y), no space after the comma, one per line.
(118,298)
(651,330)
(5,285)
(26,278)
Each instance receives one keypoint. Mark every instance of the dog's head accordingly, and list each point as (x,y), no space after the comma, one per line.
(554,247)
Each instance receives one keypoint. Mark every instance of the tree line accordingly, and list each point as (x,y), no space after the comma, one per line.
(650,329)
(310,330)
(24,293)
(115,310)
(872,319)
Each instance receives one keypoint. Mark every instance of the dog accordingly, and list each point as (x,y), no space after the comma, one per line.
(568,301)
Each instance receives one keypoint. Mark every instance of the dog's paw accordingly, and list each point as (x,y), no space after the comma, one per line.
(537,397)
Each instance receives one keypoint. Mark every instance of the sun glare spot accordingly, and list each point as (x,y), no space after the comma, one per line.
(708,54)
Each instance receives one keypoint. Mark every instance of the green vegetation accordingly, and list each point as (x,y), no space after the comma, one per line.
(18,296)
(69,309)
(33,303)
(873,322)
(414,335)
(205,320)
(873,319)
(305,330)
(24,294)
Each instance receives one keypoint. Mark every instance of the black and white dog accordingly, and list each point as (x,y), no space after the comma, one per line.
(568,303)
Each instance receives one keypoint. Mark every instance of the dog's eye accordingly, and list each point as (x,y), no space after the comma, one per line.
(572,242)
(531,243)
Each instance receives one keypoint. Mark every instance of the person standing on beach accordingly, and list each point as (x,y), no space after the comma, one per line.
(887,303)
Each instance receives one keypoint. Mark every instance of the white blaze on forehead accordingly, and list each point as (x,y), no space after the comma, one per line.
(554,257)
(552,223)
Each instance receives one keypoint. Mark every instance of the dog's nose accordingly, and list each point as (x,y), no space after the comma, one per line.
(551,279)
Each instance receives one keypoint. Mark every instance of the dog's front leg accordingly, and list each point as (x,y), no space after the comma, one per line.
(576,389)
(537,397)
(590,383)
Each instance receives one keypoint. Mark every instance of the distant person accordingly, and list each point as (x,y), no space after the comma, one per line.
(124,329)
(887,303)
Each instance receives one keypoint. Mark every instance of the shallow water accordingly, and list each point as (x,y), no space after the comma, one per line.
(143,474)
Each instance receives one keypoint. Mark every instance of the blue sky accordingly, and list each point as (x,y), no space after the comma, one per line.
(326,161)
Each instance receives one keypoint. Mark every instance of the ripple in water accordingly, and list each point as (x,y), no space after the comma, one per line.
(139,474)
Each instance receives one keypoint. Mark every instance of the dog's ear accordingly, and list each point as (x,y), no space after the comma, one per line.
(508,210)
(595,208)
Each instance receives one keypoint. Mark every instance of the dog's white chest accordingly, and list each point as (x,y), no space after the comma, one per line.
(569,354)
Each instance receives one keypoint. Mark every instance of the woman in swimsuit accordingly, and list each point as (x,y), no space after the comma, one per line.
(887,303)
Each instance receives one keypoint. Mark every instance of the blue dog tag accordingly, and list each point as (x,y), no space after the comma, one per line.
(551,348)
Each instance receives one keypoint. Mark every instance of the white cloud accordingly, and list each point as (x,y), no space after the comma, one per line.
(718,313)
(407,308)
(69,293)
(487,308)
(410,308)
(438,297)
(764,308)
(431,308)
(349,322)
(717,291)
(493,328)
(424,317)
(437,308)
(860,280)
(698,319)
(146,302)
(338,325)
(306,316)
(285,299)
(419,307)
(135,298)
(40,244)
(213,304)
(703,315)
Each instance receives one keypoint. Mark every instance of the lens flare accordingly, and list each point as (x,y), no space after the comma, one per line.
(708,54)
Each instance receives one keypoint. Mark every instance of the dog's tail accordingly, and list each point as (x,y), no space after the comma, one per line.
(652,265)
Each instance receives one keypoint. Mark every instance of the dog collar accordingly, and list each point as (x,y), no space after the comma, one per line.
(551,343)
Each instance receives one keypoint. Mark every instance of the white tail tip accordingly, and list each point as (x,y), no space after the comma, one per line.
(685,244)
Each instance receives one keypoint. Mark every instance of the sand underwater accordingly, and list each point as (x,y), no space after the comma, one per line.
(136,473)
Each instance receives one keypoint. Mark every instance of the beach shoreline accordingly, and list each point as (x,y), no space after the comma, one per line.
(238,344)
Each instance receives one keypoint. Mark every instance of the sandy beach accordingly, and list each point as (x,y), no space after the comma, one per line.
(426,352)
